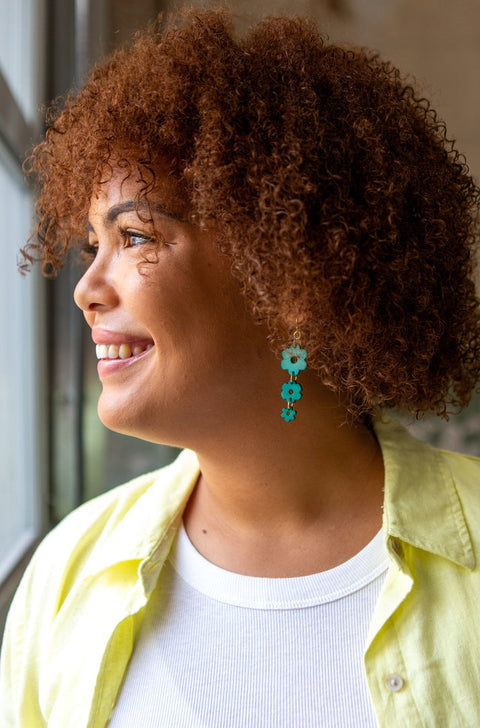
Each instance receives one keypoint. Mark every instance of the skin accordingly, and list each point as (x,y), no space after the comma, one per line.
(274,498)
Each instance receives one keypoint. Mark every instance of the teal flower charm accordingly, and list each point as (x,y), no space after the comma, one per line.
(292,391)
(288,414)
(294,360)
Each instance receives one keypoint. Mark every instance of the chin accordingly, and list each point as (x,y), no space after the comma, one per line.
(120,417)
(139,423)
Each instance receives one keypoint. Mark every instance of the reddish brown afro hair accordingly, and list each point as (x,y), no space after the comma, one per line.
(333,187)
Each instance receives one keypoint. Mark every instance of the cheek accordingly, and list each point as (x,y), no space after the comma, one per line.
(141,293)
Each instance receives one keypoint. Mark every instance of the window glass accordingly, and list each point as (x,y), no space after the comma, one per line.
(20,297)
(17,47)
(19,364)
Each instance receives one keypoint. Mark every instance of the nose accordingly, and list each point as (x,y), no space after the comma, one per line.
(95,288)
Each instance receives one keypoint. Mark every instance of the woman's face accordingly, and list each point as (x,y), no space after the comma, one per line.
(160,293)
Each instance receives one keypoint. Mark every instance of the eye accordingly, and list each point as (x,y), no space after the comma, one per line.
(132,238)
(88,251)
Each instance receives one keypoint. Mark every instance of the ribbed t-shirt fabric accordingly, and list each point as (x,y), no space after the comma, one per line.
(219,649)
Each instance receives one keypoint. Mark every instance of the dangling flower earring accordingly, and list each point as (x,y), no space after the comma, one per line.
(294,361)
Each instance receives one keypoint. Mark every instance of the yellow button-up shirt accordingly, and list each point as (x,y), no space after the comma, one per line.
(72,625)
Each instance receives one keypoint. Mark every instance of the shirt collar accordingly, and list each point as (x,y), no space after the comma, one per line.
(421,505)
(144,524)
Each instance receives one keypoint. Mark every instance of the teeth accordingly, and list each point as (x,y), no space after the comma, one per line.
(123,351)
(102,351)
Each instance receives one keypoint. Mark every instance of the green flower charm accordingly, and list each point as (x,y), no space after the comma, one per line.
(292,391)
(294,360)
(288,414)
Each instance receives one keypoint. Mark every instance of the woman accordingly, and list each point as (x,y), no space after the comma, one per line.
(280,248)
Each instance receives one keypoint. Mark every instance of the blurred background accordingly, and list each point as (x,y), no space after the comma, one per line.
(54,451)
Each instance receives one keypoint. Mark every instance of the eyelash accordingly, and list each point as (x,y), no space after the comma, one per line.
(127,236)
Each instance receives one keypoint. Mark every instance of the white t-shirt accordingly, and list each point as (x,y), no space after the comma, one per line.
(218,649)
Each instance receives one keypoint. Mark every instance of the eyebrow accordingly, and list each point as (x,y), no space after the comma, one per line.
(130,205)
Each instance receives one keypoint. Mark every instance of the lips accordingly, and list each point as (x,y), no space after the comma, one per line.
(116,349)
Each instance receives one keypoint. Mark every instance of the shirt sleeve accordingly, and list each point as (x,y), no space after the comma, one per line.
(19,705)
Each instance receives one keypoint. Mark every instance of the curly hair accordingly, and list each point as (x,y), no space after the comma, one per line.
(333,186)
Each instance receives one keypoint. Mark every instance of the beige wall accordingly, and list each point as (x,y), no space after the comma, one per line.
(438,41)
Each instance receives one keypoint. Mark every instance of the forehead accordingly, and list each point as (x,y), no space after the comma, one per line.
(134,187)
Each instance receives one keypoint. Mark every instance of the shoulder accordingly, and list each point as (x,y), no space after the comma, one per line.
(465,468)
(123,525)
(133,508)
(431,496)
(465,474)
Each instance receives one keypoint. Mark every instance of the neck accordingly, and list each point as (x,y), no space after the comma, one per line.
(316,481)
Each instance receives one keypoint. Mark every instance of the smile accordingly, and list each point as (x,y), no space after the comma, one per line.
(120,351)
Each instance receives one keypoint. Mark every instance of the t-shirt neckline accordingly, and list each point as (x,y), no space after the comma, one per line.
(277,593)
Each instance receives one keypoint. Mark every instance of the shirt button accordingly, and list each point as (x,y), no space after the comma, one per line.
(394,682)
